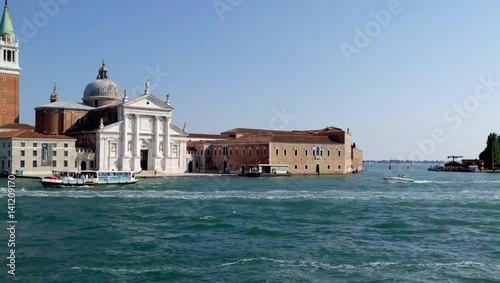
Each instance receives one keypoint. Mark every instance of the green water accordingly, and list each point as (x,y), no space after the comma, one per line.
(356,228)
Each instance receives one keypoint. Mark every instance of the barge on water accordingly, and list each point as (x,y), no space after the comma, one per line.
(267,170)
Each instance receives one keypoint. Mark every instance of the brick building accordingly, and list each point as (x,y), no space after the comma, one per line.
(323,151)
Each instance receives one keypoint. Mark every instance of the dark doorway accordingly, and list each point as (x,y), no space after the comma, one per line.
(242,169)
(190,166)
(144,159)
(83,165)
(225,166)
(317,169)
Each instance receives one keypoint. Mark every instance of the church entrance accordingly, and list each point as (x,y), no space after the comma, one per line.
(144,159)
(83,166)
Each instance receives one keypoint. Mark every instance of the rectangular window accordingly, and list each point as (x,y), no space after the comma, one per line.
(257,151)
(328,153)
(66,163)
(23,144)
(22,164)
(237,152)
(45,154)
(208,152)
(66,145)
(265,151)
(22,153)
(339,167)
(65,153)
(295,152)
(54,163)
(113,150)
(35,153)
(34,163)
(305,152)
(54,153)
(8,153)
(277,152)
(339,154)
(249,151)
(8,163)
(54,145)
(35,144)
(284,152)
(230,151)
(243,152)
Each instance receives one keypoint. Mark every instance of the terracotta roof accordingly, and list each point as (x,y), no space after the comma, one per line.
(27,134)
(323,131)
(206,136)
(303,139)
(17,126)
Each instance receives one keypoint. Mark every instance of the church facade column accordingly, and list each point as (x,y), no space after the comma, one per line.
(136,147)
(157,141)
(166,143)
(125,166)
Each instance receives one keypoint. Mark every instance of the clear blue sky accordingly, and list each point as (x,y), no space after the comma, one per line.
(280,64)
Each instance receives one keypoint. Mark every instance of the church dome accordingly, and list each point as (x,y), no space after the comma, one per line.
(102,87)
(102,91)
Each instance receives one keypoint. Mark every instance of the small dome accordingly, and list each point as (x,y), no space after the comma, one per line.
(54,97)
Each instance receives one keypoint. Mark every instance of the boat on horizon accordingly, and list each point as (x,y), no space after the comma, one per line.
(401,178)
(90,179)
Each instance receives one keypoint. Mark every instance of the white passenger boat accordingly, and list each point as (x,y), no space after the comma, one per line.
(91,179)
(401,178)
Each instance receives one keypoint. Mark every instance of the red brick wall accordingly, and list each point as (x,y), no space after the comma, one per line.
(9,89)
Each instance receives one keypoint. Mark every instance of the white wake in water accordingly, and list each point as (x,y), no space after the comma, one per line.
(383,194)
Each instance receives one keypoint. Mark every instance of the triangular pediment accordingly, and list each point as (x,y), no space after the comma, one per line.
(147,102)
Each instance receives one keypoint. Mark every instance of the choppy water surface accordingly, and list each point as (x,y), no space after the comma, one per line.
(357,228)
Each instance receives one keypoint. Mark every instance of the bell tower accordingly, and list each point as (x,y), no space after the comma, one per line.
(9,70)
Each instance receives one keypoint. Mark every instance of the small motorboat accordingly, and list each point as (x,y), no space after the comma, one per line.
(401,178)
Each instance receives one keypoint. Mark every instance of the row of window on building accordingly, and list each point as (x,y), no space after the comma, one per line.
(317,151)
(295,167)
(35,144)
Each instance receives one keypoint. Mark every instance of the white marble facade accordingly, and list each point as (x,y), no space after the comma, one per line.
(143,139)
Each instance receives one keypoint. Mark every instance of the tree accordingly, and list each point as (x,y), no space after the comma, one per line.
(491,154)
